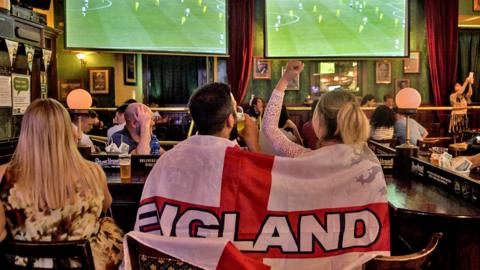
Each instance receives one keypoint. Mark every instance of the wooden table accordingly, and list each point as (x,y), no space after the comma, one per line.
(126,198)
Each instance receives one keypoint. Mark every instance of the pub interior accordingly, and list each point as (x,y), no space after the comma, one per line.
(239,134)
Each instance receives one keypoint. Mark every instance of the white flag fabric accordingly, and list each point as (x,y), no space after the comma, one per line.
(205,253)
(324,210)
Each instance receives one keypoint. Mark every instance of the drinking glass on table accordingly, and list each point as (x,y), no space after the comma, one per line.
(125,168)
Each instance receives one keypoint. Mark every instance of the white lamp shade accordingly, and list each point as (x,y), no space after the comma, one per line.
(408,98)
(79,99)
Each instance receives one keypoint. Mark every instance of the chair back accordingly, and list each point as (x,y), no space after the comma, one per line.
(405,262)
(145,258)
(387,142)
(79,250)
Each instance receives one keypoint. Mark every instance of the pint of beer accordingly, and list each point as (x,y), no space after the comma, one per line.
(125,168)
(240,119)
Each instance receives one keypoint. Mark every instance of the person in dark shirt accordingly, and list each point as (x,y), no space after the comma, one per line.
(138,130)
(257,107)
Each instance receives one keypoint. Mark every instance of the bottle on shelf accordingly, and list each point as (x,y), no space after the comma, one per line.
(154,146)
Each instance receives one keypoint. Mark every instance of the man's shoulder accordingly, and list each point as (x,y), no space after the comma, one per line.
(399,124)
(207,140)
(121,135)
(114,129)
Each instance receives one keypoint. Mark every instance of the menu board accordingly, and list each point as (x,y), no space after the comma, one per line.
(20,93)
(5,91)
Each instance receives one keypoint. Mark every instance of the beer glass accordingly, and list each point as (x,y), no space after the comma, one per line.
(125,168)
(240,119)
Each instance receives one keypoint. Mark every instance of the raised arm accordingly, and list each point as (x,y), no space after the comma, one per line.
(470,91)
(281,144)
(144,117)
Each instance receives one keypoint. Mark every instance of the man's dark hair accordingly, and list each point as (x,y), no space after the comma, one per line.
(122,108)
(92,114)
(387,96)
(130,101)
(366,99)
(383,116)
(210,107)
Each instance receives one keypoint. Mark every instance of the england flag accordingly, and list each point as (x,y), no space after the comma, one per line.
(324,210)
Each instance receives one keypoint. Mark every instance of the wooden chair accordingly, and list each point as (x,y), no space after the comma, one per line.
(146,258)
(405,262)
(59,252)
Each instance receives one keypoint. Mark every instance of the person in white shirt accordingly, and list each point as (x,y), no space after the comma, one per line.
(120,119)
(382,123)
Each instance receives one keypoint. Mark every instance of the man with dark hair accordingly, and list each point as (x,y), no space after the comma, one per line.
(120,120)
(199,158)
(210,107)
(213,110)
(85,123)
(388,101)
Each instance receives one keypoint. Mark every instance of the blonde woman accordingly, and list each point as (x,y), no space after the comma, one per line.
(337,119)
(48,192)
(342,130)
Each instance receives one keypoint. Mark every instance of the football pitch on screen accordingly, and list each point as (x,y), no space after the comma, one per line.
(335,28)
(196,26)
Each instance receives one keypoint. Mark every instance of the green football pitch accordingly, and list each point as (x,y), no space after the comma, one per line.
(336,28)
(196,26)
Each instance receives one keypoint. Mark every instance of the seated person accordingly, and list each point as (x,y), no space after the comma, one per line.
(368,101)
(235,189)
(417,131)
(382,123)
(213,109)
(388,101)
(120,120)
(283,124)
(87,121)
(137,132)
(50,192)
(256,109)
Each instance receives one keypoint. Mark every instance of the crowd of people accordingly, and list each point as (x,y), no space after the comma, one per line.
(388,124)
(48,183)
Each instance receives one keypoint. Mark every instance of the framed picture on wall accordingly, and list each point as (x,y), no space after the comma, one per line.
(412,64)
(292,84)
(100,80)
(262,69)
(476,5)
(383,72)
(65,86)
(400,84)
(130,69)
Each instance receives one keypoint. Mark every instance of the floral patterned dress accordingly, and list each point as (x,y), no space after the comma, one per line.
(79,219)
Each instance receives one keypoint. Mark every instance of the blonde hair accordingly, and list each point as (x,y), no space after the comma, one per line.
(47,165)
(344,120)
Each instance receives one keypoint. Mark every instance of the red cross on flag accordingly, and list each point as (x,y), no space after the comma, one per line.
(325,210)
